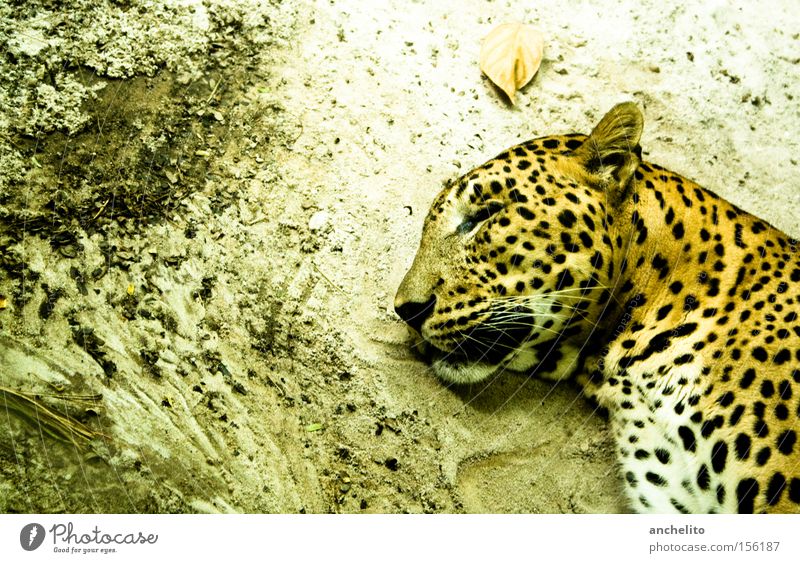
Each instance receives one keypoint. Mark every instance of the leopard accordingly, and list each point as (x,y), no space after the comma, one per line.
(673,310)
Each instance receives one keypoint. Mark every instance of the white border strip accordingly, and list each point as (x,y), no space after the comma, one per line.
(389,538)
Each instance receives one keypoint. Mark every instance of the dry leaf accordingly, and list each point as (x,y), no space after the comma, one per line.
(511,55)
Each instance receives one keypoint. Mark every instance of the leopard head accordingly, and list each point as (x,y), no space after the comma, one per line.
(517,257)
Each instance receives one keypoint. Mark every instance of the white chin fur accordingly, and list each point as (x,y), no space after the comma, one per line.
(463,373)
(523,361)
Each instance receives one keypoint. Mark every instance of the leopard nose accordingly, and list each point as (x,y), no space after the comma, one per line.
(415,313)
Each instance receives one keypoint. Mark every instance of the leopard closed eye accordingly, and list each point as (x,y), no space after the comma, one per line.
(674,309)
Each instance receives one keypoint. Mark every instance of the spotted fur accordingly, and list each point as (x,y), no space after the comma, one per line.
(674,309)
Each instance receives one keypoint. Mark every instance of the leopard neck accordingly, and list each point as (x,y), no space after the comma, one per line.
(668,227)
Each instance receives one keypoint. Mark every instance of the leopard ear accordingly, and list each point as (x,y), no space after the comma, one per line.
(612,153)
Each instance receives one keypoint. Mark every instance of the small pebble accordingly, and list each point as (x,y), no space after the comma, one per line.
(318,221)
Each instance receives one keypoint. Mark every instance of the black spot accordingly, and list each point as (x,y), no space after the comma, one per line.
(655,479)
(742,446)
(516,259)
(690,303)
(759,354)
(782,357)
(794,491)
(662,455)
(550,144)
(761,429)
(515,196)
(631,479)
(719,455)
(567,218)
(726,398)
(746,492)
(641,454)
(569,246)
(525,213)
(747,378)
(676,287)
(679,507)
(663,312)
(703,478)
(786,441)
(564,280)
(687,436)
(677,230)
(775,489)
(763,456)
(642,235)
(659,262)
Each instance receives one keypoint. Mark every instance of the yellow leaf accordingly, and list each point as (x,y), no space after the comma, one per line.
(131,290)
(511,55)
(3,302)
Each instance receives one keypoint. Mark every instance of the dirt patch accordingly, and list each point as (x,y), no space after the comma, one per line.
(206,207)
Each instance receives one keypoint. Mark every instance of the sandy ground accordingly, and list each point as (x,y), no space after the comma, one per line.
(206,207)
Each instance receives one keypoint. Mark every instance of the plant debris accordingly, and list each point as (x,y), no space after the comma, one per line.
(511,55)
